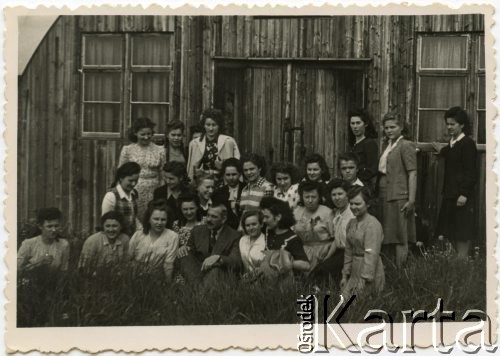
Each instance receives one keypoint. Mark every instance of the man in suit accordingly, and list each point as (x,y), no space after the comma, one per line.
(230,192)
(213,249)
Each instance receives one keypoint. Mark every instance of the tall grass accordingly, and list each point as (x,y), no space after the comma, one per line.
(108,299)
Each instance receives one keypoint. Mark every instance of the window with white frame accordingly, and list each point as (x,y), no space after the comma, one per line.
(450,72)
(125,76)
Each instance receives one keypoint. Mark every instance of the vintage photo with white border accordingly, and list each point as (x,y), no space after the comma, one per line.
(257,178)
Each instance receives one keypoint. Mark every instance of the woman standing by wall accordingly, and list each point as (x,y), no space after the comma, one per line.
(398,187)
(363,142)
(174,143)
(154,248)
(149,156)
(460,175)
(207,152)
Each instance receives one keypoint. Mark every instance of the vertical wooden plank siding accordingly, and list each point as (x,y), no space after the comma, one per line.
(57,167)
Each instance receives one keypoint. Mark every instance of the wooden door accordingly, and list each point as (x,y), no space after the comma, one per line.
(321,100)
(252,101)
(284,111)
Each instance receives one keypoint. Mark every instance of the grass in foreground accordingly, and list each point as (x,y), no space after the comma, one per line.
(123,301)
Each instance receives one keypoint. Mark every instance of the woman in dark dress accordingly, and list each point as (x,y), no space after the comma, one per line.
(460,175)
(363,142)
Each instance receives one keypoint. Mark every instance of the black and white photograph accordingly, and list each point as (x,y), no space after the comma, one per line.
(215,170)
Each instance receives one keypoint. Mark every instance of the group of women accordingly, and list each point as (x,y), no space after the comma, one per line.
(342,224)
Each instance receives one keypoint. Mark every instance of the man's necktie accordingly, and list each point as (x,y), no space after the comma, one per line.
(211,241)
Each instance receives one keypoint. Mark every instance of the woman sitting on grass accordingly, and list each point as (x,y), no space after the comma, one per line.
(154,248)
(190,217)
(339,200)
(122,197)
(107,248)
(363,272)
(313,223)
(47,252)
(286,251)
(253,242)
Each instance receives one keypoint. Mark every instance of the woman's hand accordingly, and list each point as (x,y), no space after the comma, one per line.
(360,287)
(461,201)
(343,282)
(408,208)
(218,163)
(182,251)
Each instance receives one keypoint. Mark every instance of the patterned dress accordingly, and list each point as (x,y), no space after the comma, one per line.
(316,232)
(184,232)
(151,159)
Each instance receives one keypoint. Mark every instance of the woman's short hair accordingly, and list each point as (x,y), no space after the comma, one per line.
(279,207)
(175,125)
(248,213)
(231,162)
(178,169)
(317,158)
(309,186)
(370,131)
(363,191)
(214,114)
(201,176)
(125,170)
(459,115)
(112,215)
(195,129)
(285,168)
(188,197)
(394,116)
(139,124)
(334,184)
(158,204)
(256,159)
(47,214)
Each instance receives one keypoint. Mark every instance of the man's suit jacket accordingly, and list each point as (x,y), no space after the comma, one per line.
(226,245)
(222,194)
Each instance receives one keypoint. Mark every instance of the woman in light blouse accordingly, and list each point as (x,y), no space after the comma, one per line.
(397,188)
(313,223)
(285,178)
(155,247)
(253,242)
(207,152)
(46,252)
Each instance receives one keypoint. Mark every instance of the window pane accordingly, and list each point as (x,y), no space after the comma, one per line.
(442,92)
(151,50)
(481,127)
(445,52)
(101,118)
(150,87)
(481,96)
(102,86)
(103,50)
(481,52)
(431,126)
(157,113)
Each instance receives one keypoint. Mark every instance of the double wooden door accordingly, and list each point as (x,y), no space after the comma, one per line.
(285,111)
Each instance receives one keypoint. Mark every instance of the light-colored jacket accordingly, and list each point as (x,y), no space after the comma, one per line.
(226,148)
